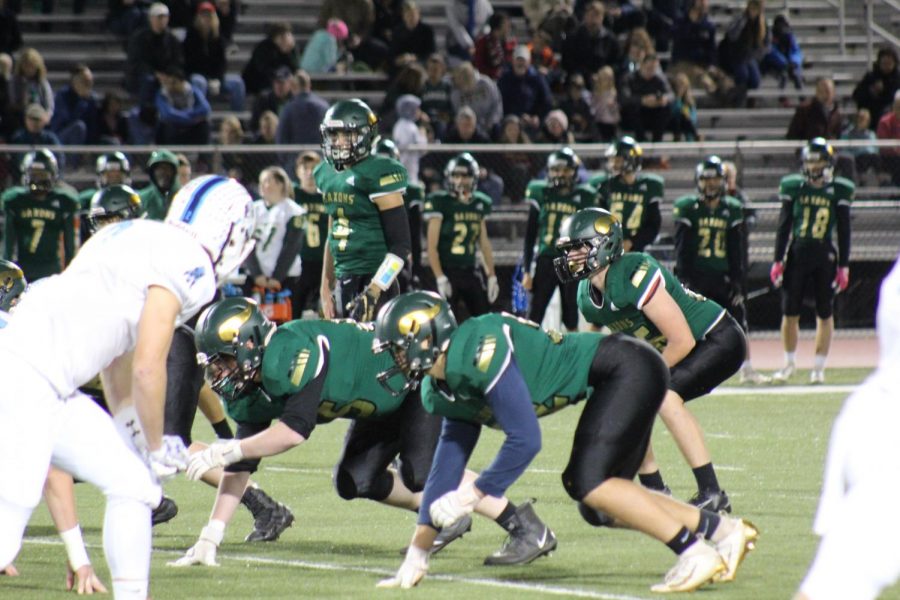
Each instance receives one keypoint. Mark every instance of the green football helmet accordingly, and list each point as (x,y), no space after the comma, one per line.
(562,168)
(818,161)
(630,153)
(415,328)
(113,168)
(386,147)
(710,178)
(40,170)
(12,284)
(349,129)
(162,178)
(461,174)
(231,337)
(595,231)
(112,204)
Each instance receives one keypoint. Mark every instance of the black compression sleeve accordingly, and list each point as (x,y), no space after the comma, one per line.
(301,409)
(843,235)
(734,245)
(290,248)
(395,225)
(415,233)
(530,236)
(649,228)
(785,220)
(684,261)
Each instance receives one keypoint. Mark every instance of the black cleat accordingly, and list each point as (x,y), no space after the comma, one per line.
(712,500)
(528,539)
(453,532)
(270,518)
(166,511)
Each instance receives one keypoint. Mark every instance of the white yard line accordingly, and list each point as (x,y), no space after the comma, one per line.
(784,390)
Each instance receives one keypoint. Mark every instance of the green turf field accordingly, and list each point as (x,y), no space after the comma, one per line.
(769,449)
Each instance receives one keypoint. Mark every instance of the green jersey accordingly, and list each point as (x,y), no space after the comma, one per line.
(414,195)
(630,283)
(356,240)
(628,203)
(33,229)
(295,355)
(461,225)
(84,199)
(315,224)
(814,209)
(553,207)
(555,367)
(155,203)
(709,251)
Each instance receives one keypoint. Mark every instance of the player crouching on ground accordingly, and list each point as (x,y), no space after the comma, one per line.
(502,371)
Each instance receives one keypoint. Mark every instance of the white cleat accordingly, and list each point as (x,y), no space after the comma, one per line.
(696,566)
(754,377)
(734,548)
(784,374)
(817,376)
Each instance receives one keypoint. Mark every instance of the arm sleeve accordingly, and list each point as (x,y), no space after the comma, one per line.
(783,232)
(301,409)
(395,225)
(734,244)
(457,441)
(684,262)
(649,228)
(530,237)
(414,216)
(290,248)
(843,234)
(511,404)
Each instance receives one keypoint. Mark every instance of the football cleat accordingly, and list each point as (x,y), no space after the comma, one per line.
(735,547)
(270,518)
(712,500)
(696,566)
(166,511)
(528,539)
(817,376)
(450,533)
(784,374)
(753,377)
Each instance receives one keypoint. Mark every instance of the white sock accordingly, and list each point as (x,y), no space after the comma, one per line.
(790,358)
(126,543)
(819,362)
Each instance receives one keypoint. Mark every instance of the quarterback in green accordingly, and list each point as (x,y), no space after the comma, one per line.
(552,201)
(368,239)
(505,372)
(456,232)
(37,215)
(633,197)
(633,294)
(813,204)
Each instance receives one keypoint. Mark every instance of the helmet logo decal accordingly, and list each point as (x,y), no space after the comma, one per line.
(231,327)
(299,367)
(412,321)
(485,353)
(601,225)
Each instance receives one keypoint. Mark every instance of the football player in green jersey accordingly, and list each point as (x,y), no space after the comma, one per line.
(368,239)
(552,200)
(504,372)
(456,230)
(633,197)
(294,374)
(162,168)
(709,247)
(700,342)
(112,168)
(813,203)
(112,204)
(315,229)
(37,214)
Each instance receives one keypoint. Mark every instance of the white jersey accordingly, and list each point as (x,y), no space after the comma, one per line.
(272,223)
(887,324)
(73,325)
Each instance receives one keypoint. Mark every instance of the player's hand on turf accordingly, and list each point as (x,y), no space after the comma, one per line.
(169,459)
(776,273)
(217,454)
(493,289)
(204,551)
(411,572)
(444,288)
(362,308)
(84,581)
(841,279)
(453,506)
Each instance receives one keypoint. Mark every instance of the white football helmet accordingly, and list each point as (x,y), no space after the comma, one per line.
(217,212)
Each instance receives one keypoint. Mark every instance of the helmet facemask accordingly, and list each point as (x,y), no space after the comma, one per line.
(39,180)
(580,259)
(345,144)
(561,175)
(817,171)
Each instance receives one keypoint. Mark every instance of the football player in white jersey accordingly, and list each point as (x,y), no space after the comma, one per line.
(857,557)
(113,311)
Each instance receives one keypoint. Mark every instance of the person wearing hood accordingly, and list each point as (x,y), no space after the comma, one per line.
(155,198)
(407,133)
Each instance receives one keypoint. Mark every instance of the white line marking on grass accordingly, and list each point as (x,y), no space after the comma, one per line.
(784,390)
(308,470)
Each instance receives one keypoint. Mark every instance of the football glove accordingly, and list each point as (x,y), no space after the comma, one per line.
(444,288)
(411,572)
(217,454)
(493,289)
(841,279)
(204,551)
(169,459)
(453,506)
(362,308)
(776,273)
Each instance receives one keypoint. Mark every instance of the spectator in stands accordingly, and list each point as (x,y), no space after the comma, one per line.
(621,15)
(112,123)
(409,80)
(819,116)
(227,11)
(645,101)
(465,19)
(268,128)
(784,59)
(300,118)
(387,14)
(637,46)
(34,134)
(559,24)
(524,91)
(8,122)
(275,98)
(694,42)
(494,49)
(865,157)
(683,122)
(10,34)
(325,48)
(184,173)
(876,90)
(412,38)
(183,111)
(576,103)
(745,43)
(471,88)
(233,164)
(277,50)
(359,15)
(555,129)
(436,94)
(406,133)
(591,46)
(124,17)
(205,61)
(661,19)
(515,168)
(889,129)
(544,59)
(151,50)
(77,109)
(29,84)
(605,105)
(466,129)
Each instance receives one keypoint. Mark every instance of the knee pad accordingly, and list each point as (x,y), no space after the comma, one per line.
(594,517)
(412,479)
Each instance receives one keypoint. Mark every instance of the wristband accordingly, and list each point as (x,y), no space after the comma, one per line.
(388,271)
(75,550)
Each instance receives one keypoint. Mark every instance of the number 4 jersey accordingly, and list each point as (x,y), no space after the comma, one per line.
(461,224)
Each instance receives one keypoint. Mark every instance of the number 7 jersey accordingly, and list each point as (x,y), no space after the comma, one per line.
(814,209)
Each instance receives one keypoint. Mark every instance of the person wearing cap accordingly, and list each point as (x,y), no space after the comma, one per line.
(525,91)
(151,50)
(206,62)
(275,97)
(278,49)
(324,47)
